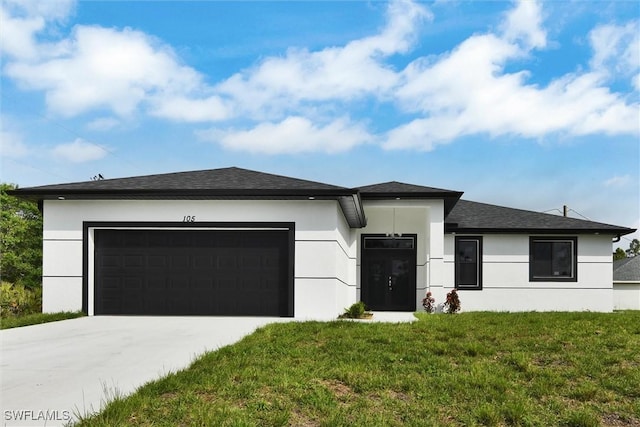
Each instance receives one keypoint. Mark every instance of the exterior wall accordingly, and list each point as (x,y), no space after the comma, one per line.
(505,278)
(325,249)
(424,218)
(626,295)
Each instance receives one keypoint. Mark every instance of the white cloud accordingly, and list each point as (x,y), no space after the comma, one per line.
(279,84)
(181,108)
(106,68)
(79,151)
(467,92)
(618,181)
(524,22)
(292,135)
(616,49)
(18,35)
(51,10)
(22,20)
(11,145)
(103,123)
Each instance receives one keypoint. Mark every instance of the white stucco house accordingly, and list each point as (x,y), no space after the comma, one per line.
(238,242)
(626,284)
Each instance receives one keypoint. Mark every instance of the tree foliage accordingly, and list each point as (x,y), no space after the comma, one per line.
(619,254)
(634,250)
(20,240)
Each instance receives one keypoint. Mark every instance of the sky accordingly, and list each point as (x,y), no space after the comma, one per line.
(531,105)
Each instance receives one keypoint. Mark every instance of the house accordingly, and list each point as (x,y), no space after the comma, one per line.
(238,242)
(626,284)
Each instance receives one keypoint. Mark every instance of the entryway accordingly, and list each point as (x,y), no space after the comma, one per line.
(388,272)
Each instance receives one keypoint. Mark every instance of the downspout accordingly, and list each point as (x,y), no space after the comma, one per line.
(617,239)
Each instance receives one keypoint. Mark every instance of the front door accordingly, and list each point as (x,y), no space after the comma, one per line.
(389,273)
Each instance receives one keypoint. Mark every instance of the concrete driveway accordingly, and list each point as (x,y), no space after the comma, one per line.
(51,372)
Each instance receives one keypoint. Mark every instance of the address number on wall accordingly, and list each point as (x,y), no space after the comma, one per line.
(189,218)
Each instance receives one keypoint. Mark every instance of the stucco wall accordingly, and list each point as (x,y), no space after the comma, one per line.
(626,295)
(506,285)
(325,249)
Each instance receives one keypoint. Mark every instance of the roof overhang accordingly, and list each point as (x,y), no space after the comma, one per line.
(349,200)
(450,198)
(453,228)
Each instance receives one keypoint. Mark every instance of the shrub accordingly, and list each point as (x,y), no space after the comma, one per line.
(18,300)
(428,303)
(452,304)
(356,311)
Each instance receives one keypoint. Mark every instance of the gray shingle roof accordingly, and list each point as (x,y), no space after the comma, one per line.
(395,189)
(225,183)
(474,217)
(225,179)
(237,183)
(627,270)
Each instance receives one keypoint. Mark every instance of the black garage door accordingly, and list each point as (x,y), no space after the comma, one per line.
(192,272)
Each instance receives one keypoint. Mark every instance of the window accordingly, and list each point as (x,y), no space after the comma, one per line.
(553,259)
(388,242)
(468,262)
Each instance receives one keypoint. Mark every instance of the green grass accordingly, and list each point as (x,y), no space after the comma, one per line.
(529,369)
(35,319)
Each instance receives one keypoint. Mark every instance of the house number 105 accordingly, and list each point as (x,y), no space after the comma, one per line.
(189,218)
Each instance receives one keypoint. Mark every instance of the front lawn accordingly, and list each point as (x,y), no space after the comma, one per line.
(37,318)
(573,369)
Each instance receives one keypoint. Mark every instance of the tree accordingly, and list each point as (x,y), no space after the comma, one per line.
(20,240)
(634,248)
(619,254)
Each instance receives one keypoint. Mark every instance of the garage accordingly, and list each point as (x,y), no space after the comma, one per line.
(193,272)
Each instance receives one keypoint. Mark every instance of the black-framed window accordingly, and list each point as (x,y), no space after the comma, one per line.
(468,262)
(553,259)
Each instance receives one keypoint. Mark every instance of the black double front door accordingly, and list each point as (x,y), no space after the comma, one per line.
(388,273)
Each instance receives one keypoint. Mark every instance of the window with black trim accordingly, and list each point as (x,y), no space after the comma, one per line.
(468,262)
(553,259)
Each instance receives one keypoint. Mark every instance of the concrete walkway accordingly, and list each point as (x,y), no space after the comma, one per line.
(54,371)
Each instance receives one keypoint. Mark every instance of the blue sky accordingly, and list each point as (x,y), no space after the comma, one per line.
(523,104)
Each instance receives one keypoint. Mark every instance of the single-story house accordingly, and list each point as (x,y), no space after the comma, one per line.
(238,242)
(626,284)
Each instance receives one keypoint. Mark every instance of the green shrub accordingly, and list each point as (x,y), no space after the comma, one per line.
(356,311)
(18,300)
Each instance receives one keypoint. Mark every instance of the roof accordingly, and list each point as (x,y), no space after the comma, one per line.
(213,180)
(241,184)
(400,190)
(225,183)
(627,270)
(474,217)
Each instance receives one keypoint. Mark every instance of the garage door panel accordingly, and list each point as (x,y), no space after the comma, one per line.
(133,261)
(203,262)
(156,261)
(208,272)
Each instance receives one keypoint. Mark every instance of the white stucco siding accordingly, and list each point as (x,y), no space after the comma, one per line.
(61,294)
(61,259)
(626,295)
(505,277)
(325,248)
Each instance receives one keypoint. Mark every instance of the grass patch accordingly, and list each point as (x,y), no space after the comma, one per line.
(571,369)
(37,318)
